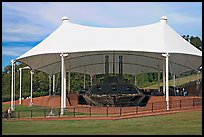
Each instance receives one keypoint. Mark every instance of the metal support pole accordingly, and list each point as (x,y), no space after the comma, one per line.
(31,87)
(50,82)
(167,80)
(12,77)
(163,76)
(14,85)
(65,95)
(20,86)
(174,79)
(63,83)
(53,88)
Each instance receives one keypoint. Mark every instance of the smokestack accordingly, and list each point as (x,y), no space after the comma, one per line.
(120,65)
(106,65)
(114,63)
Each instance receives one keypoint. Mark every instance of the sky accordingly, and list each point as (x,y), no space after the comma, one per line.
(25,24)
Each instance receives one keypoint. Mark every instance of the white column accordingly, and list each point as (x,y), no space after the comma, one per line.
(63,83)
(20,86)
(14,85)
(158,79)
(65,96)
(164,76)
(12,77)
(53,86)
(167,80)
(31,87)
(50,82)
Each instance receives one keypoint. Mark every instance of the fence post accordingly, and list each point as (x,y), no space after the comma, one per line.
(107,110)
(59,112)
(31,113)
(74,112)
(18,114)
(44,112)
(90,111)
(180,104)
(152,107)
(136,109)
(120,110)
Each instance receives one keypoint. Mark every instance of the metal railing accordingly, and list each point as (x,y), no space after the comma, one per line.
(90,111)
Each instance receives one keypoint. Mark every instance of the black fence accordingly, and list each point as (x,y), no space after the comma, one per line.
(89,111)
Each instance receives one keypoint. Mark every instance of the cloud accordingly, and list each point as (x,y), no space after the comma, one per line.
(25,22)
(15,51)
(28,21)
(27,32)
(22,22)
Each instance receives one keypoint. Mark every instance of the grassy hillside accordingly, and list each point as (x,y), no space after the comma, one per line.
(179,81)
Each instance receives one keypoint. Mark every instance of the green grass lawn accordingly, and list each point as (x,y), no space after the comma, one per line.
(182,123)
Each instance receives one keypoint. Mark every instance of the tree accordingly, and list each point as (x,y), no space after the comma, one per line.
(196,41)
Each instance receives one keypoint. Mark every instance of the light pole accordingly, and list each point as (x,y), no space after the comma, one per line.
(50,82)
(20,69)
(31,87)
(12,84)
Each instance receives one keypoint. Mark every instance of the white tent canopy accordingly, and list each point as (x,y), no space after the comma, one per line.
(141,47)
(78,48)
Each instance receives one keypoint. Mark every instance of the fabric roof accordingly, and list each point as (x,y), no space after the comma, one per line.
(141,47)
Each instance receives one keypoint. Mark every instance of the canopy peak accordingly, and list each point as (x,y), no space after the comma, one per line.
(163,19)
(65,19)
